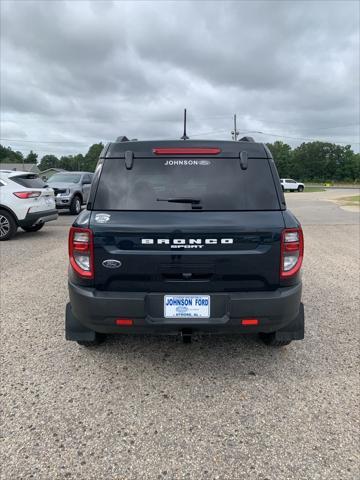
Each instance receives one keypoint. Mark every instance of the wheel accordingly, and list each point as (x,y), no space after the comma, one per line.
(75,205)
(283,189)
(270,339)
(99,338)
(300,188)
(34,228)
(8,225)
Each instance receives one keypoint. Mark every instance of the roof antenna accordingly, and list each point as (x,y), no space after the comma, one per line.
(184,137)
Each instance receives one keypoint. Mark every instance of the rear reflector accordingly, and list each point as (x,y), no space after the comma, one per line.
(186,151)
(124,322)
(249,321)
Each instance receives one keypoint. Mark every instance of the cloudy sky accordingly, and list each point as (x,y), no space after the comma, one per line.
(78,72)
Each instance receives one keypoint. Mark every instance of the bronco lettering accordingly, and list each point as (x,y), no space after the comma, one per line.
(189,243)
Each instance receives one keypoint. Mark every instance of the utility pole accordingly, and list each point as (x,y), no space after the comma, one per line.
(235,132)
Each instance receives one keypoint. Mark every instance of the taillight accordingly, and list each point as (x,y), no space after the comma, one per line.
(186,151)
(292,251)
(33,194)
(81,251)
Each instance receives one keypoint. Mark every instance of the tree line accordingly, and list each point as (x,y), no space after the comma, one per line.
(311,161)
(77,162)
(316,162)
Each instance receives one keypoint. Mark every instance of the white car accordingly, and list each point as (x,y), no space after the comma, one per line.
(25,201)
(292,185)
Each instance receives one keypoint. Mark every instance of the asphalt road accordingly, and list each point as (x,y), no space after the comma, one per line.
(154,408)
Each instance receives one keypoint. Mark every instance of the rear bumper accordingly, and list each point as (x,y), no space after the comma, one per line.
(35,218)
(97,311)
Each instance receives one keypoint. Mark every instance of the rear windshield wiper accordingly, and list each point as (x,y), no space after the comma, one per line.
(193,201)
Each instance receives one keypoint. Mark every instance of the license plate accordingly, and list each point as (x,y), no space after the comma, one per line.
(49,201)
(186,306)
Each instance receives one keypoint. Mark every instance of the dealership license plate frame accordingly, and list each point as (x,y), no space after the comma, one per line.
(193,311)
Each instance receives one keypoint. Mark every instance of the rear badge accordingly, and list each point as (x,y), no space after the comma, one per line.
(187,163)
(111,263)
(102,217)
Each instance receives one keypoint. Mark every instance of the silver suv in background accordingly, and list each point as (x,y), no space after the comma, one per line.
(71,189)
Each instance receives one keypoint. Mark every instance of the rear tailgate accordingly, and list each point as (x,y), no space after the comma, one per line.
(46,201)
(188,222)
(189,252)
(32,182)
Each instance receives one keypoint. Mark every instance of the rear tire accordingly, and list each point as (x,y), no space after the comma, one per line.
(75,206)
(300,188)
(34,228)
(8,226)
(99,338)
(270,339)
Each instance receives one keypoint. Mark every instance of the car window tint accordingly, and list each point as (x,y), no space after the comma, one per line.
(29,181)
(214,184)
(64,178)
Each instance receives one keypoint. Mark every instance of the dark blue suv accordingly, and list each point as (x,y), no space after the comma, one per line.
(184,237)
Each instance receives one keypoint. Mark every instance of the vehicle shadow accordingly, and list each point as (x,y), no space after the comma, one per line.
(232,356)
(21,234)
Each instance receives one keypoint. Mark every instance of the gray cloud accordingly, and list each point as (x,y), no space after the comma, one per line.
(79,72)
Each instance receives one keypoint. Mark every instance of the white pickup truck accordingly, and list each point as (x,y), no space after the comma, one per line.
(292,185)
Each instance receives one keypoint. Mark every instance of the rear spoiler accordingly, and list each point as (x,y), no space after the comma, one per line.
(180,148)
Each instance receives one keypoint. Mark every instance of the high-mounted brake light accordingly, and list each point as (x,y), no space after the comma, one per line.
(186,151)
(292,252)
(32,194)
(81,251)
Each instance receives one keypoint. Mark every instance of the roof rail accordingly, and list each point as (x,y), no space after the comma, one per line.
(247,139)
(122,139)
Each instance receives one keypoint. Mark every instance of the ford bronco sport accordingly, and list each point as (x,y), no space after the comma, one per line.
(184,237)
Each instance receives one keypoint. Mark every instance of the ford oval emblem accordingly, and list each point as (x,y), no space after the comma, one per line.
(111,263)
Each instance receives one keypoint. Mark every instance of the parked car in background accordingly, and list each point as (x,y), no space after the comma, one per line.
(71,189)
(25,201)
(292,185)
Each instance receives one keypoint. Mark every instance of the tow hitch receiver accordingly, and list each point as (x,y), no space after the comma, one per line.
(186,335)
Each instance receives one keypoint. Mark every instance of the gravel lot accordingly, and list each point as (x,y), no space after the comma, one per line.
(154,408)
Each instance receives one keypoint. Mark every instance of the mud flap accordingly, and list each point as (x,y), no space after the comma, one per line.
(294,330)
(74,330)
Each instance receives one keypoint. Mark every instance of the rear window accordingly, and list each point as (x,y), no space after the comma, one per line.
(64,178)
(186,184)
(29,181)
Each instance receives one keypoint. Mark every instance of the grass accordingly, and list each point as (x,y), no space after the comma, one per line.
(354,200)
(312,189)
